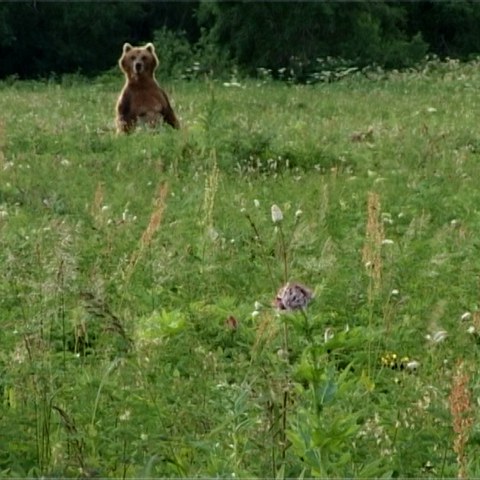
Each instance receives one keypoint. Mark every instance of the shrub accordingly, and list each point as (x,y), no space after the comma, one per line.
(182,59)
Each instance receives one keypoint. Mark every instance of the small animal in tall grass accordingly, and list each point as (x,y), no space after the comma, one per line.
(142,98)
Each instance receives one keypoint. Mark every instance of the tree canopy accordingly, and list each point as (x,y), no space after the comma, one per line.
(38,39)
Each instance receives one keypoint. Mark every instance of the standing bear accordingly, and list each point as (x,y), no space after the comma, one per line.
(141,97)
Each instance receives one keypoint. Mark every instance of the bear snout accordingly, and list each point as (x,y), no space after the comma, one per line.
(138,67)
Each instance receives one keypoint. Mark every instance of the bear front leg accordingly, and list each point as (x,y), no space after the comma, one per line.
(170,117)
(125,120)
(125,125)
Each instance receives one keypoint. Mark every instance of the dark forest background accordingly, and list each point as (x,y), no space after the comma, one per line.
(41,39)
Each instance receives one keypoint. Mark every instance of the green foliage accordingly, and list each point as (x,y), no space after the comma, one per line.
(364,34)
(290,40)
(139,272)
(448,27)
(58,38)
(180,58)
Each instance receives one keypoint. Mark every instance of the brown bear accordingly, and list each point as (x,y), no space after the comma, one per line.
(141,97)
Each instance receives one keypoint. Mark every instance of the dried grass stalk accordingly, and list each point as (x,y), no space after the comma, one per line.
(462,413)
(98,197)
(152,227)
(372,249)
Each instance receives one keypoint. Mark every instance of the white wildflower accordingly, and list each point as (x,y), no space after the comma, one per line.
(466,316)
(232,84)
(258,306)
(256,203)
(125,416)
(328,334)
(282,353)
(412,365)
(438,336)
(277,215)
(213,234)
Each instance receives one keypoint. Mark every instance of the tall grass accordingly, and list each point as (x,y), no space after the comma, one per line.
(139,331)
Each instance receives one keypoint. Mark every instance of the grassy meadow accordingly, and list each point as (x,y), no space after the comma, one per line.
(137,328)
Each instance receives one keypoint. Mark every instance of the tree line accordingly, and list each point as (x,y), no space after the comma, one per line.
(40,39)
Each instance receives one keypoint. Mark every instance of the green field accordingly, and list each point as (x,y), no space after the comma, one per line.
(137,328)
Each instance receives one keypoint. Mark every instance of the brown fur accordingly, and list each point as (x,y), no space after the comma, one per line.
(141,97)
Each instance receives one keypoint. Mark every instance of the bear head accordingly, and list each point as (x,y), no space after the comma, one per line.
(138,61)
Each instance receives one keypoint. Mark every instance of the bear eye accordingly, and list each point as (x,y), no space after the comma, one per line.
(144,57)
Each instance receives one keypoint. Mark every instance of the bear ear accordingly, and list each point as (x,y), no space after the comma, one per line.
(126,47)
(150,47)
